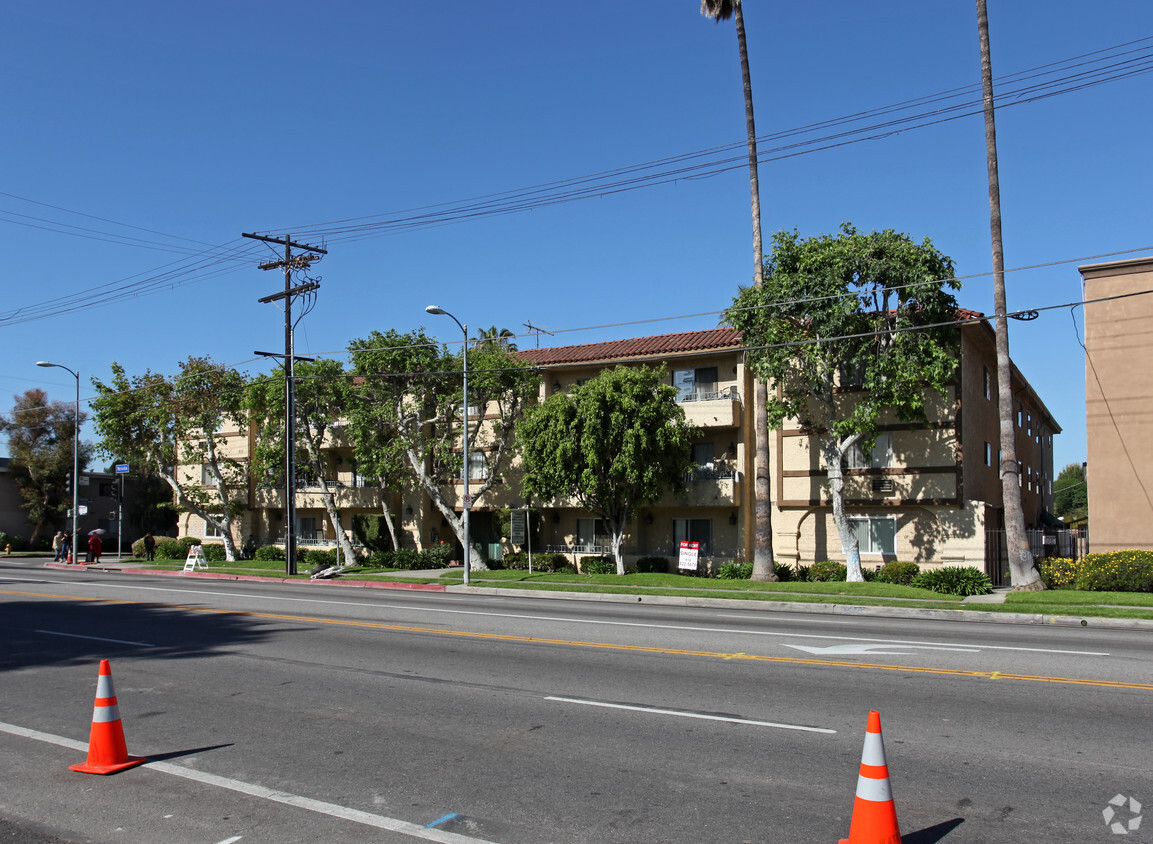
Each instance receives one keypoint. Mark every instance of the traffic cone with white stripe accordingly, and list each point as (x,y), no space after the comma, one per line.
(874,814)
(107,752)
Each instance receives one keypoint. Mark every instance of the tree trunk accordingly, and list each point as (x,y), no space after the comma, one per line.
(1023,573)
(618,537)
(329,499)
(455,522)
(833,452)
(763,563)
(388,517)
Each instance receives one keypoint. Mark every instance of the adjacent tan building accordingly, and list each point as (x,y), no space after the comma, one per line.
(1119,403)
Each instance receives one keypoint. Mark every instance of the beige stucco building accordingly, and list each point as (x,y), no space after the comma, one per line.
(1119,403)
(928,493)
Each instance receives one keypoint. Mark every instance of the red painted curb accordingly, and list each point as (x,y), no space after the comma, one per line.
(354,584)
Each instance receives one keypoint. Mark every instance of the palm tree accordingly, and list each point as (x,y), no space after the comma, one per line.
(499,336)
(1023,573)
(763,568)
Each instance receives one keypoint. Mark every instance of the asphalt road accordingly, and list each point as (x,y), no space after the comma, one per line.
(282,713)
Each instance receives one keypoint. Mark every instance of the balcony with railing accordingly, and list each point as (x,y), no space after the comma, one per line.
(712,408)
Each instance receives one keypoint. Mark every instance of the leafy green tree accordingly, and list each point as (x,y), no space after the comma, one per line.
(160,425)
(866,304)
(40,439)
(415,386)
(614,443)
(1070,493)
(321,395)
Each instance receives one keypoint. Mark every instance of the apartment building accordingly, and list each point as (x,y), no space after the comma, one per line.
(927,492)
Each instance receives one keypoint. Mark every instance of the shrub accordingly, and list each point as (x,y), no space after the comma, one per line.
(269,553)
(1060,572)
(557,562)
(18,543)
(518,560)
(735,571)
(138,548)
(213,553)
(405,559)
(171,549)
(652,564)
(1116,571)
(438,556)
(319,558)
(897,572)
(955,580)
(603,564)
(371,530)
(801,573)
(827,571)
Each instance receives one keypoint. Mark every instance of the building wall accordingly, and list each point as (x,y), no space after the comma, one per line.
(1119,404)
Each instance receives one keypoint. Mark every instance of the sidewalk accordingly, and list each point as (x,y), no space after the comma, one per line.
(398,583)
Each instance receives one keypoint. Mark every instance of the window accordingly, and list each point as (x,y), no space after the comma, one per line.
(477,466)
(593,534)
(875,534)
(851,374)
(210,530)
(207,478)
(703,455)
(988,376)
(881,456)
(306,528)
(695,384)
(988,454)
(693,530)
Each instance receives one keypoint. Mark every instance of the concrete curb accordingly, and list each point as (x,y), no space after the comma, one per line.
(669,600)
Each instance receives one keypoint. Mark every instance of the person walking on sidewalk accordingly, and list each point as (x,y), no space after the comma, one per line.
(94,548)
(66,548)
(149,546)
(58,546)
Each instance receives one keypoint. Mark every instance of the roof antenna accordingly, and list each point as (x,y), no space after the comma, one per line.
(537,331)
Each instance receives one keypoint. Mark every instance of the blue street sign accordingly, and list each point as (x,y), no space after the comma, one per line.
(122,468)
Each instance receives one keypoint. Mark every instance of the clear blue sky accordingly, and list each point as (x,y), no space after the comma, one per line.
(196,122)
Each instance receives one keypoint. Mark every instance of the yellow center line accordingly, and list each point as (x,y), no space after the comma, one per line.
(508,637)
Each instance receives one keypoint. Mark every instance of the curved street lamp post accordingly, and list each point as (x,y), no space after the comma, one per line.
(467,501)
(75,453)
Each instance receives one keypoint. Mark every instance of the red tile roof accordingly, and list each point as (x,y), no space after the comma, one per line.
(713,339)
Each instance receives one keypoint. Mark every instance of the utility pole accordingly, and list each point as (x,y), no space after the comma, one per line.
(290,263)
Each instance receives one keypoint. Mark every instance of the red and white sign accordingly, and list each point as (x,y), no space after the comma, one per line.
(689,554)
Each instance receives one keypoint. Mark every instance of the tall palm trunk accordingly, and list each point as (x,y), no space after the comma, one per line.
(763,567)
(1023,573)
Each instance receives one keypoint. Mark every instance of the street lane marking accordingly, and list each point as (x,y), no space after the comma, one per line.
(466,634)
(307,803)
(655,711)
(562,619)
(94,638)
(877,649)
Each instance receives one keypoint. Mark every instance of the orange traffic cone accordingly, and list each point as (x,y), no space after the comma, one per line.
(874,814)
(107,752)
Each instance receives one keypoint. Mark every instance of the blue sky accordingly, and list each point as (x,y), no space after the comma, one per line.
(183,125)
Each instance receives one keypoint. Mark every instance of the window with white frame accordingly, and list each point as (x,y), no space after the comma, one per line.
(207,478)
(988,454)
(695,384)
(210,530)
(477,466)
(875,534)
(879,457)
(593,533)
(694,530)
(988,385)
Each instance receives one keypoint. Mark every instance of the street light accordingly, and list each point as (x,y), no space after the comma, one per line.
(75,454)
(433,309)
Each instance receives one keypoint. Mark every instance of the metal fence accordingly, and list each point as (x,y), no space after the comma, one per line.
(1067,544)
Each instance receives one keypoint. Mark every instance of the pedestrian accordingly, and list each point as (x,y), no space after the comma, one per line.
(149,546)
(250,547)
(94,547)
(58,546)
(66,548)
